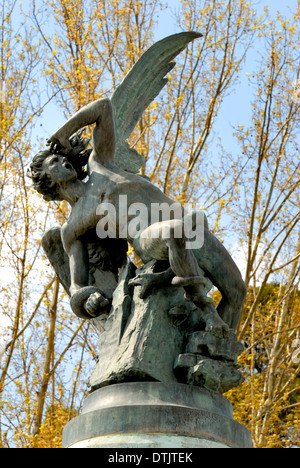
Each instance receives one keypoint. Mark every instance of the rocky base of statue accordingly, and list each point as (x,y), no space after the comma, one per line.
(210,362)
(154,334)
(161,373)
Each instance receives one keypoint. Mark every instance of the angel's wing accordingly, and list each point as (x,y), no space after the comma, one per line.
(139,88)
(105,258)
(53,247)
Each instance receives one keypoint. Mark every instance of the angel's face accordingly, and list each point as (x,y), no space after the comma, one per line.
(59,168)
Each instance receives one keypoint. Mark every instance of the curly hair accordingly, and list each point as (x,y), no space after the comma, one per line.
(42,182)
(78,157)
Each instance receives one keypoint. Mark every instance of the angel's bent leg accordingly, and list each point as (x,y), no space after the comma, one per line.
(224,274)
(154,243)
(166,241)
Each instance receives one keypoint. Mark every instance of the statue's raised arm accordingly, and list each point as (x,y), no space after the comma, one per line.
(99,113)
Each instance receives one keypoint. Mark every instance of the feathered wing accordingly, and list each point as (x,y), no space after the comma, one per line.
(106,256)
(53,247)
(139,88)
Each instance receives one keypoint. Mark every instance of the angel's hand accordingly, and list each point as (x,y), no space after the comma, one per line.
(58,141)
(95,303)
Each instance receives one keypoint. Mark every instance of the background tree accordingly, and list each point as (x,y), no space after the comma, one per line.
(269,232)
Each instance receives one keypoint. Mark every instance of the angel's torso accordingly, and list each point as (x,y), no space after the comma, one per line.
(111,188)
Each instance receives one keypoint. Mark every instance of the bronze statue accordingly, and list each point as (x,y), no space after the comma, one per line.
(58,173)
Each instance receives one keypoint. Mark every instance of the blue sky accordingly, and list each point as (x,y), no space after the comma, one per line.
(235,109)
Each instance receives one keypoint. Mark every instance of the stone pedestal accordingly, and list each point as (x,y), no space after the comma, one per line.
(155,415)
(161,374)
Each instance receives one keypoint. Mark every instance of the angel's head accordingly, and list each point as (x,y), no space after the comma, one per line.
(47,171)
(50,169)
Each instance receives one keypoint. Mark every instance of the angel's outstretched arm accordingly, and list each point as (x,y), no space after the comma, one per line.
(99,112)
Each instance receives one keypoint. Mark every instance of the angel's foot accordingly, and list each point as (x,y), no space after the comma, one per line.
(215,325)
(149,280)
(208,314)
